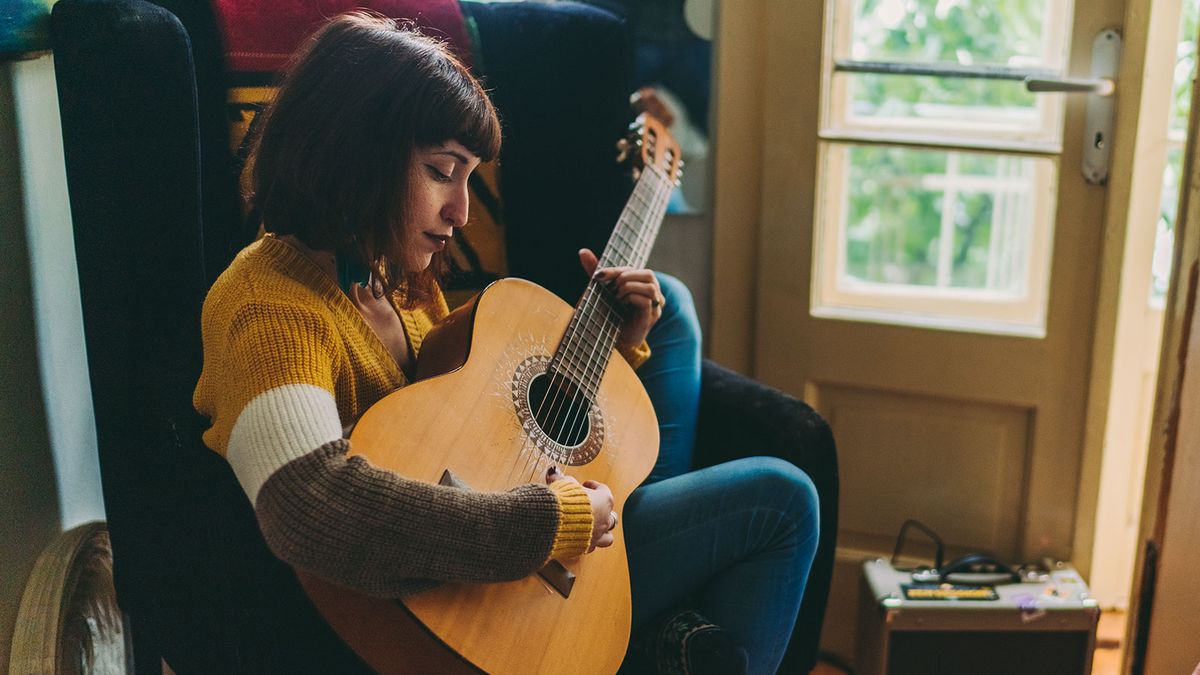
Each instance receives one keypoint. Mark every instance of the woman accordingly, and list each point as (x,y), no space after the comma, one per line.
(360,174)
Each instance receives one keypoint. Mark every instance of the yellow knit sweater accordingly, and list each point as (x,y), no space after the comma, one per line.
(288,362)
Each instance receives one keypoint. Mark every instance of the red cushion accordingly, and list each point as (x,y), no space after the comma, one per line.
(261,36)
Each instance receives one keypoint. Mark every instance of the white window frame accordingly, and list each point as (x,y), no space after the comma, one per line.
(836,295)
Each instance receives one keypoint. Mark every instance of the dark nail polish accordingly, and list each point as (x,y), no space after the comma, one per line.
(553,470)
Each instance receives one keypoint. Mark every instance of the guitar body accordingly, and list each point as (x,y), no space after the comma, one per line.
(469,413)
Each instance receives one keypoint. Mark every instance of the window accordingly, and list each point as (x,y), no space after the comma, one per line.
(938,169)
(1181,99)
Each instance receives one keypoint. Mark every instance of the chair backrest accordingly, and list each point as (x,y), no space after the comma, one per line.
(560,75)
(155,203)
(191,569)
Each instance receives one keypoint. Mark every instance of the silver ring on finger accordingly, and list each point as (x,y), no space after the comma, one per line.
(612,520)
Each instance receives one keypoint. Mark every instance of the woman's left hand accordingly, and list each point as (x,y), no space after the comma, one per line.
(637,289)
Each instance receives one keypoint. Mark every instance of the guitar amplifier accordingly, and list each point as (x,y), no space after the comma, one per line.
(1043,626)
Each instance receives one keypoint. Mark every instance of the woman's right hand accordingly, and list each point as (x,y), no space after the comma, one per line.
(604,518)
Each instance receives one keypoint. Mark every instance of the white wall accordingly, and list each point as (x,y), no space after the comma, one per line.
(49,473)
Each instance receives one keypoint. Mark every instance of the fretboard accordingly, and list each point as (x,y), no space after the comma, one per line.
(588,343)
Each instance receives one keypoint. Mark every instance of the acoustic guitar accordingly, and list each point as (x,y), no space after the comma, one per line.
(512,382)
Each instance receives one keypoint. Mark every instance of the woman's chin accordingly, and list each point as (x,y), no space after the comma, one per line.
(418,262)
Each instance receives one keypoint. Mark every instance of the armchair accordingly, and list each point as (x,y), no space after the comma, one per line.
(154,199)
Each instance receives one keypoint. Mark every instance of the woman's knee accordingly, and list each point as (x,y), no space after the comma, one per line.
(788,483)
(678,306)
(674,290)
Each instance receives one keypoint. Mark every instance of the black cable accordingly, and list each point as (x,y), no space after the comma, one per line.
(912,522)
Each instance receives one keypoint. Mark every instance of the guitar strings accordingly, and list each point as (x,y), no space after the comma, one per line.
(591,323)
(597,360)
(609,323)
(596,294)
(524,459)
(601,348)
(563,357)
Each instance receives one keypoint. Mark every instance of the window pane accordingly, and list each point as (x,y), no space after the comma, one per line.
(1164,235)
(1185,66)
(980,103)
(891,223)
(996,32)
(1181,99)
(981,34)
(948,220)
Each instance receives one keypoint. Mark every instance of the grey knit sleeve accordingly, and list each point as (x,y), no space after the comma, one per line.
(382,534)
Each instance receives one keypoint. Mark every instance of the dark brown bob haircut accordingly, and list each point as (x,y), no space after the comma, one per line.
(331,162)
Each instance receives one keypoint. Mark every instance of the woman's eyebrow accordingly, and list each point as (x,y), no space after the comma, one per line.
(456,155)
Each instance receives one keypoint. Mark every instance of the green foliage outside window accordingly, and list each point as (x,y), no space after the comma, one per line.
(1181,99)
(894,217)
(949,31)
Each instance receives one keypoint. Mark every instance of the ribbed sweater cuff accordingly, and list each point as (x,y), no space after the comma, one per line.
(574,520)
(636,356)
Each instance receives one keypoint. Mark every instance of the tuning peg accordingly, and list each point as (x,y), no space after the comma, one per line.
(622,150)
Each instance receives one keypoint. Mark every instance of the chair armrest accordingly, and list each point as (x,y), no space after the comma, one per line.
(741,417)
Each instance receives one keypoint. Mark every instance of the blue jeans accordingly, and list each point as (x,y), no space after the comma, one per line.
(737,539)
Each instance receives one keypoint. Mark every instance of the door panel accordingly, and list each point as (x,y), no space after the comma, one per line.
(960,453)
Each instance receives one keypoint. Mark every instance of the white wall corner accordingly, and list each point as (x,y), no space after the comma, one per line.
(54,278)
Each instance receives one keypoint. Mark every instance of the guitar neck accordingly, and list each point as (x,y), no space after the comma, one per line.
(636,229)
(585,349)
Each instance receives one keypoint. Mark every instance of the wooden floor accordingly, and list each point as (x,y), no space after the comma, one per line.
(1109,650)
(1107,659)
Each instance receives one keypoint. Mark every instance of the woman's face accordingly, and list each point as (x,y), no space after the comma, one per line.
(437,201)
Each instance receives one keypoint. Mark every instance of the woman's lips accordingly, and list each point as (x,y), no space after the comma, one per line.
(439,241)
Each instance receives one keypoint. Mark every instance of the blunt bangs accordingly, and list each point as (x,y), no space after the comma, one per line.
(461,111)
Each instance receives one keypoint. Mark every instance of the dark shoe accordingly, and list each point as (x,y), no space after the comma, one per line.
(683,642)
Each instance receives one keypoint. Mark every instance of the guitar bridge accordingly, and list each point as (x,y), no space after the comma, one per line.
(450,480)
(560,578)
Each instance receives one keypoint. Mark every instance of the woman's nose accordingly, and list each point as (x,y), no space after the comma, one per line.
(456,208)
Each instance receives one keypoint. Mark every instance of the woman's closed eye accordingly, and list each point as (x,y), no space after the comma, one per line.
(437,174)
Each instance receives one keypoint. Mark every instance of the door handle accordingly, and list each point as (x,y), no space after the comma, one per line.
(1083,85)
(1100,87)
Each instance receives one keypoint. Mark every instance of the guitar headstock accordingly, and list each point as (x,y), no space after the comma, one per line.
(650,144)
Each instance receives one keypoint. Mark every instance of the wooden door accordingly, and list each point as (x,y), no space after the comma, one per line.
(925,270)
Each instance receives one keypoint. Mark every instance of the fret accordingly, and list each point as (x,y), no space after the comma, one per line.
(591,334)
(638,195)
(586,378)
(592,330)
(576,374)
(619,236)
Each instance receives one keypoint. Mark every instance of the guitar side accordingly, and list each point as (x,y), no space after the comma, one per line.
(466,420)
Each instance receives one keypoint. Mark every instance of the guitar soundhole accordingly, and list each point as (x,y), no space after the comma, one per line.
(563,423)
(560,409)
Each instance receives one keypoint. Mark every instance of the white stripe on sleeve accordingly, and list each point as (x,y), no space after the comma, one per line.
(277,426)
